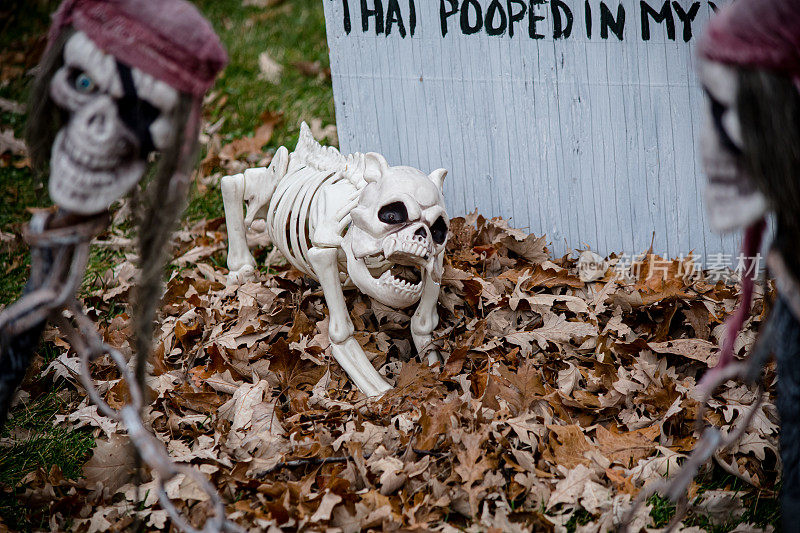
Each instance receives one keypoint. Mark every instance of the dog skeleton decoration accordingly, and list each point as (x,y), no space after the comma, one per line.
(347,221)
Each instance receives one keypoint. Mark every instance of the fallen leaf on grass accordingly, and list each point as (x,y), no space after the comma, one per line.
(697,349)
(11,106)
(308,68)
(269,69)
(559,330)
(112,464)
(570,489)
(628,448)
(9,143)
(323,512)
(251,145)
(328,133)
(569,445)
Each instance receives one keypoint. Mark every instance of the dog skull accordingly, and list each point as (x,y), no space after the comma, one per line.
(731,198)
(117,115)
(398,233)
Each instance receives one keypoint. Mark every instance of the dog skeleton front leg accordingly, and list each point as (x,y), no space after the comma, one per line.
(426,317)
(344,346)
(331,216)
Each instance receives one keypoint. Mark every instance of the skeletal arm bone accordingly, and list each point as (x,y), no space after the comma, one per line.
(344,346)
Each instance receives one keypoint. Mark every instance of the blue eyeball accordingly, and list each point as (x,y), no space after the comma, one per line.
(83,83)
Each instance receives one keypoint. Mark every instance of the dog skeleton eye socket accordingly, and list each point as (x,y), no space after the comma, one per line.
(394,213)
(439,231)
(82,82)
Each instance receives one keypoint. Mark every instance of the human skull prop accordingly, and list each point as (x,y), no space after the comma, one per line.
(398,233)
(117,116)
(732,199)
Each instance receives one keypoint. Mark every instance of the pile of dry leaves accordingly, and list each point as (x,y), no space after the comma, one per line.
(559,399)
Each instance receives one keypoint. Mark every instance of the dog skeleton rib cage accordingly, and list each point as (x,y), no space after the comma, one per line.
(347,221)
(120,80)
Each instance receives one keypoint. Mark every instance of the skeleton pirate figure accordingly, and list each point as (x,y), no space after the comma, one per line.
(749,66)
(120,85)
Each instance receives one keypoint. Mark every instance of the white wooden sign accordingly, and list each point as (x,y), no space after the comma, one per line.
(574,118)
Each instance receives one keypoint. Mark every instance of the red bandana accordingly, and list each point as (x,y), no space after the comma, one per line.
(762,34)
(168,39)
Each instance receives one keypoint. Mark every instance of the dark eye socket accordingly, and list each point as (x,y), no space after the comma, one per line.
(717,111)
(439,231)
(394,213)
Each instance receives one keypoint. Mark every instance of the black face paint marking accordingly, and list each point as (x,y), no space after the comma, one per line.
(136,113)
(717,110)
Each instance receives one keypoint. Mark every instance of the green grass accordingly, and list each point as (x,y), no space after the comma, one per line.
(759,511)
(579,518)
(291,32)
(663,510)
(19,190)
(39,443)
(44,446)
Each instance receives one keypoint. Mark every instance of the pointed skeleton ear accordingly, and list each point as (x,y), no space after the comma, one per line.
(375,166)
(437,177)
